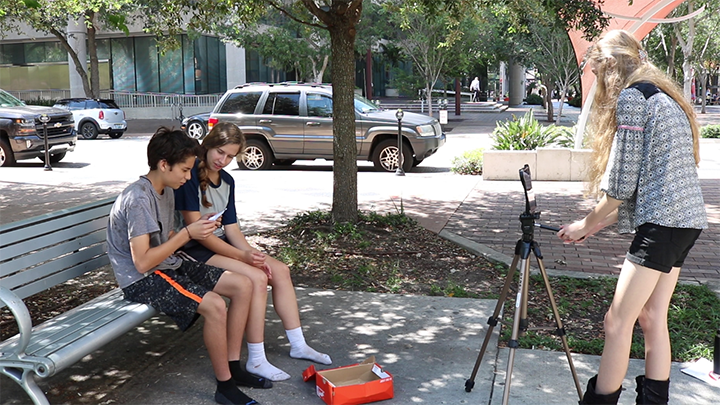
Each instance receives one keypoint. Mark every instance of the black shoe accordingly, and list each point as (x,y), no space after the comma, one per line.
(251,380)
(222,399)
(652,391)
(591,397)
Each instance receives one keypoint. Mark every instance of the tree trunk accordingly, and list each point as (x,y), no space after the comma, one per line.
(92,52)
(74,56)
(548,100)
(345,199)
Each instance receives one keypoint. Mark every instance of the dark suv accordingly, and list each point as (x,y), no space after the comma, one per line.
(288,122)
(22,134)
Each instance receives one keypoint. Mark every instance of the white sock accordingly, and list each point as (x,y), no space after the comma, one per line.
(300,350)
(257,364)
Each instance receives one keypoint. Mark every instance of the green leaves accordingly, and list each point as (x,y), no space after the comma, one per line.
(524,133)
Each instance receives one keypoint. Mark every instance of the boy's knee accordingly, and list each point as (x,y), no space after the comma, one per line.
(212,306)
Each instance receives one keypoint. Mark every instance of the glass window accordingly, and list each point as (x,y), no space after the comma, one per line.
(77,105)
(146,65)
(243,103)
(108,104)
(12,54)
(282,104)
(319,105)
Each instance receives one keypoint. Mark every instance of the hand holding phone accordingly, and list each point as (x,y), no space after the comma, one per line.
(216,216)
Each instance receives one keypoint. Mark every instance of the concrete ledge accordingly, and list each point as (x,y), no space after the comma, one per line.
(550,164)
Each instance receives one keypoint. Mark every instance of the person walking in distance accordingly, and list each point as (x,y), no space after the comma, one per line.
(646,151)
(475,90)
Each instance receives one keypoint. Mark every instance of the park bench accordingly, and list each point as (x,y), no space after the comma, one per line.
(39,253)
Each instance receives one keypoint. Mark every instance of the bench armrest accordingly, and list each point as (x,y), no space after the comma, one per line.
(22,318)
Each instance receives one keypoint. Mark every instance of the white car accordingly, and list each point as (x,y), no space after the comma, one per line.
(95,116)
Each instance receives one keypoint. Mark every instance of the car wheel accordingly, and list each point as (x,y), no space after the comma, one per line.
(54,158)
(257,156)
(7,158)
(89,130)
(115,135)
(385,157)
(284,162)
(196,130)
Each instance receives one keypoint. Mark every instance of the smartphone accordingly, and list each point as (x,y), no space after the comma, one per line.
(216,216)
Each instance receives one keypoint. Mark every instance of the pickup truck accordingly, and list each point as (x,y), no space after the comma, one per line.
(22,132)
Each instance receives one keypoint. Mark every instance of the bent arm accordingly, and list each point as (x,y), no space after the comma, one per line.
(217,245)
(147,258)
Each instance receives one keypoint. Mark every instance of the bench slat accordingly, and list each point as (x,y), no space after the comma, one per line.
(82,330)
(72,326)
(41,242)
(45,270)
(53,252)
(14,231)
(52,224)
(73,272)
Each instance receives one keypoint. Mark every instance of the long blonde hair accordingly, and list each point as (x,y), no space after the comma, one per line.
(620,61)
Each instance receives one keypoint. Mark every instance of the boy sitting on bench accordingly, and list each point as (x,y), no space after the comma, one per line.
(141,246)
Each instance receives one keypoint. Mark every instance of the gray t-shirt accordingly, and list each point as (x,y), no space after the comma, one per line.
(139,210)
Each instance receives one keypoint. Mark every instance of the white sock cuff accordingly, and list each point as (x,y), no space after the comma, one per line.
(256,351)
(295,336)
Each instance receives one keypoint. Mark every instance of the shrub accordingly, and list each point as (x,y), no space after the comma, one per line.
(524,133)
(534,99)
(575,101)
(710,131)
(469,163)
(40,101)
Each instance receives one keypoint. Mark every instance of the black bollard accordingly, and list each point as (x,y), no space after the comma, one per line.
(716,357)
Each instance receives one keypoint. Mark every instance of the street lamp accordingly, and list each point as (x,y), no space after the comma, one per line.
(45,119)
(399,172)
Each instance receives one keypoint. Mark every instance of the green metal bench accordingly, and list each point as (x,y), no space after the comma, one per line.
(42,252)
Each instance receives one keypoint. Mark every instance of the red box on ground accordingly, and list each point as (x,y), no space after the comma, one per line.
(350,385)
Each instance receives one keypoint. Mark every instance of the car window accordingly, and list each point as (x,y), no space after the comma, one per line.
(364,105)
(319,105)
(8,100)
(76,105)
(282,104)
(243,103)
(108,104)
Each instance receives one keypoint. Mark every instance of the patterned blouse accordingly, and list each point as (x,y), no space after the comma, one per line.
(651,167)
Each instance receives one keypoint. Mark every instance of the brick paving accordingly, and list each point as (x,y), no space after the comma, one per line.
(489,216)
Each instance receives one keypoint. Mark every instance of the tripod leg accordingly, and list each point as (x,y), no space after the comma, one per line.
(492,321)
(558,322)
(513,344)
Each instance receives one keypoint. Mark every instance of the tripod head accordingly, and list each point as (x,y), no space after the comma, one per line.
(527,218)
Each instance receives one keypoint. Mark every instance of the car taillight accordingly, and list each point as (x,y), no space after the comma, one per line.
(101,115)
(211,123)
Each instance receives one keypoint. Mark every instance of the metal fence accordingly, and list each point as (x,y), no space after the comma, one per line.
(126,99)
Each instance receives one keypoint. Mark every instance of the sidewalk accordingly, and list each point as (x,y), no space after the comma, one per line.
(429,344)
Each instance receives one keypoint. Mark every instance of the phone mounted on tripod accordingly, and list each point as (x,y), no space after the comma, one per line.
(527,218)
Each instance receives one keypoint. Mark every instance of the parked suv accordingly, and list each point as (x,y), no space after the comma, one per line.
(288,122)
(22,134)
(95,116)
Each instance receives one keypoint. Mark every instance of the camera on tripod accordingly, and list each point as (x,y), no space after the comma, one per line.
(524,247)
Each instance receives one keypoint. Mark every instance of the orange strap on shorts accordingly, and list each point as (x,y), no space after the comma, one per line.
(178,287)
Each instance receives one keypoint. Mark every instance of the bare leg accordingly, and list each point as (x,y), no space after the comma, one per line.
(653,320)
(634,287)
(239,289)
(212,307)
(283,292)
(255,329)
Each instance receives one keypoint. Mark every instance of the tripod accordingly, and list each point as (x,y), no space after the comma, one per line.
(523,247)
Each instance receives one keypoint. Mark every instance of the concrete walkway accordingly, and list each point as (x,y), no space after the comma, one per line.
(429,344)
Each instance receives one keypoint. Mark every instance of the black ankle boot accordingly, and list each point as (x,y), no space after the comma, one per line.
(591,397)
(652,391)
(640,382)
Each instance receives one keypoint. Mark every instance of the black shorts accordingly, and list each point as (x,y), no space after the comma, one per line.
(198,252)
(661,248)
(176,293)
